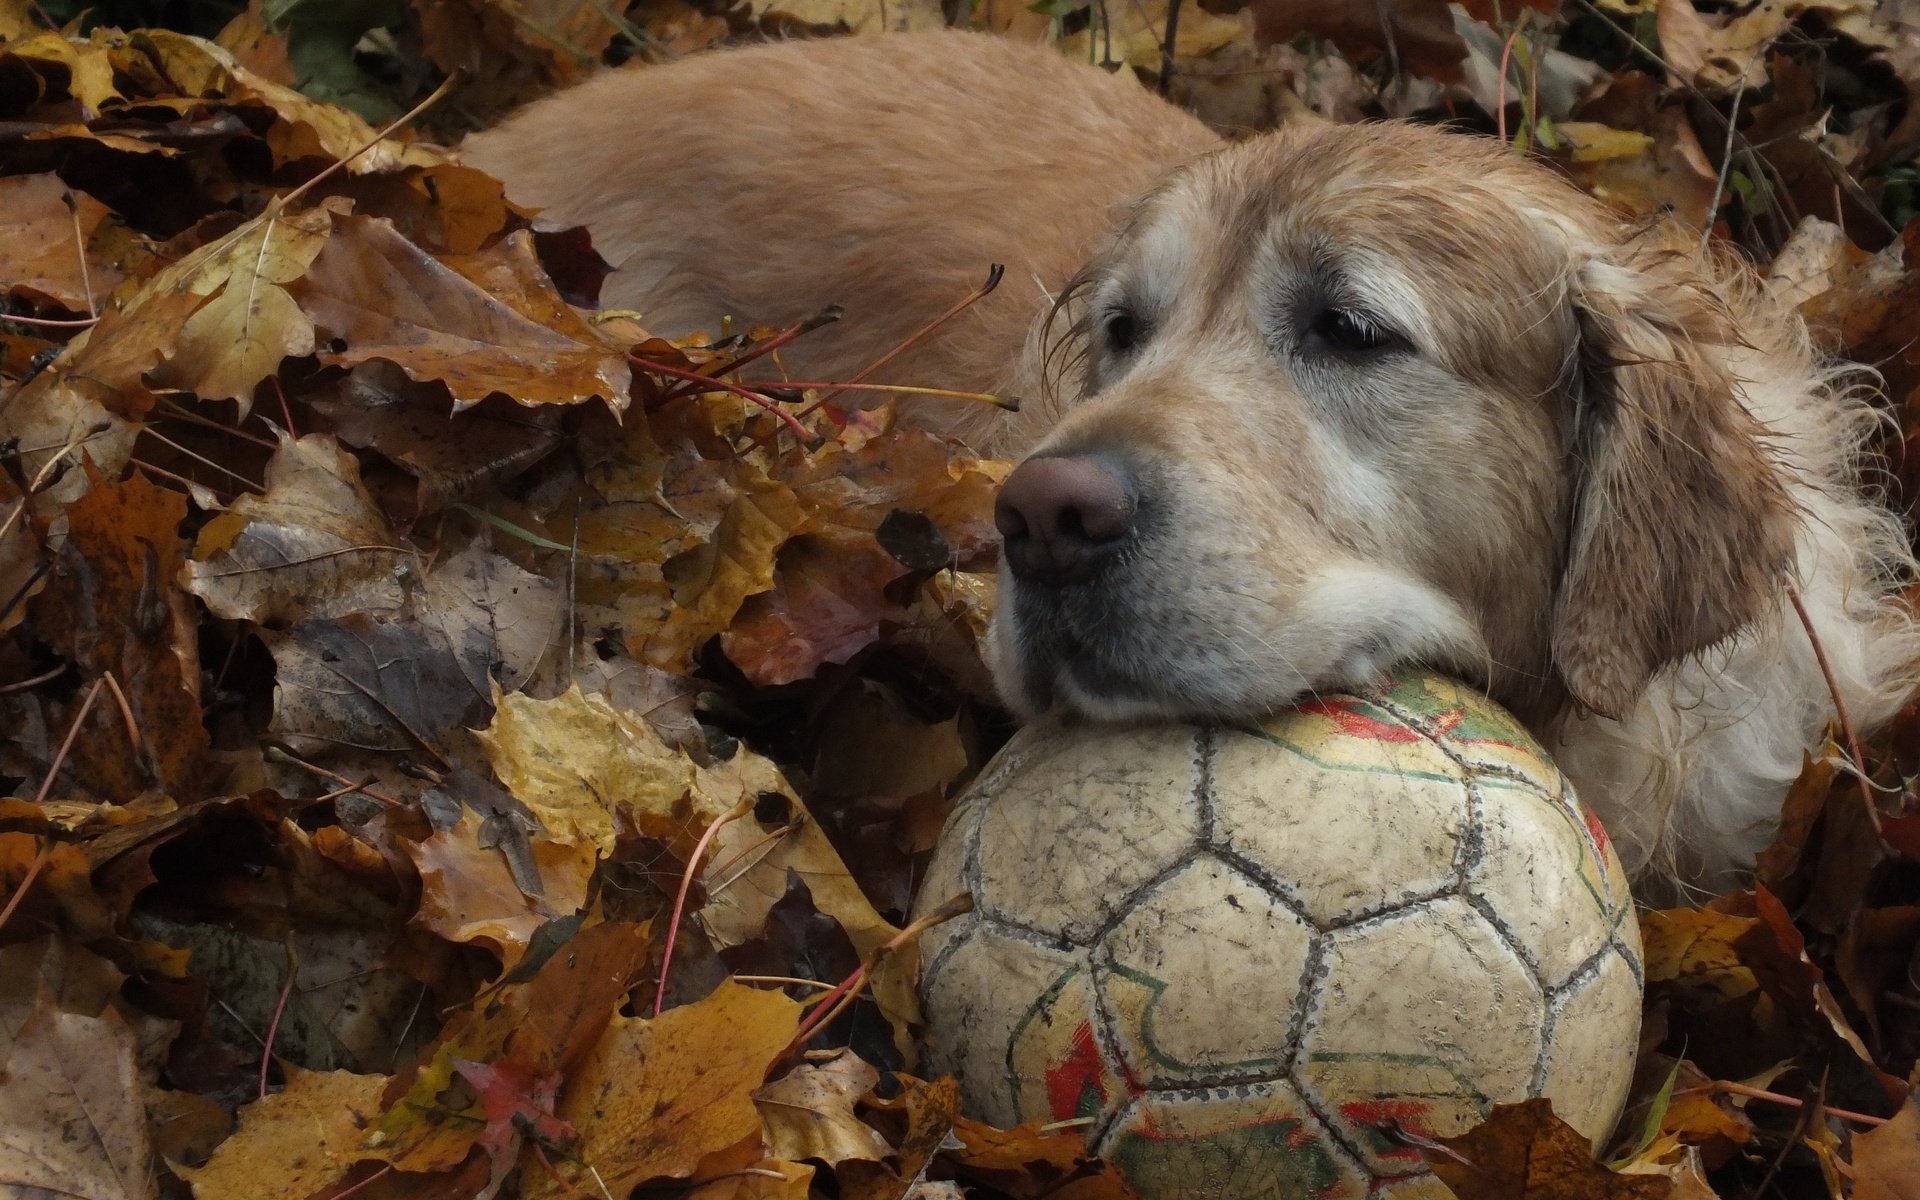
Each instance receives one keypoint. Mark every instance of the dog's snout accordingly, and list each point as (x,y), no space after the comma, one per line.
(1060,518)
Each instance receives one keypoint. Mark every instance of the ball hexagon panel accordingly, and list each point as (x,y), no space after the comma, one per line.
(1091,823)
(1019,1033)
(1425,1016)
(1586,1075)
(1471,728)
(1357,814)
(1542,875)
(1258,1142)
(1200,980)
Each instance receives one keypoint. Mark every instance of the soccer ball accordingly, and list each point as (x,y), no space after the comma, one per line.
(1248,960)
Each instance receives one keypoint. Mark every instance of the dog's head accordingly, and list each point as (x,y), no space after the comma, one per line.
(1361,397)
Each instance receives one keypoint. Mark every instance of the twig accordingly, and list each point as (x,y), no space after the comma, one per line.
(1726,156)
(848,990)
(826,317)
(45,855)
(786,418)
(1004,403)
(80,248)
(381,1173)
(49,323)
(273,1026)
(27,685)
(1754,1093)
(1166,48)
(1839,708)
(280,754)
(995,273)
(680,899)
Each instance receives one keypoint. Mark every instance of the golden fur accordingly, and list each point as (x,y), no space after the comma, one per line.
(1572,459)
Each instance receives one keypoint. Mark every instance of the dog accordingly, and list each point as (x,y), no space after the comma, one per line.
(1311,407)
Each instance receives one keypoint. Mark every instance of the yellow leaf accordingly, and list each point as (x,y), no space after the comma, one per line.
(576,760)
(291,1144)
(238,337)
(1593,142)
(655,1097)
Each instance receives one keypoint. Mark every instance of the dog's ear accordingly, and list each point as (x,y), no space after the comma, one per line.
(1682,524)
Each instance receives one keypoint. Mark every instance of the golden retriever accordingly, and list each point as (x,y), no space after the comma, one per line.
(1311,407)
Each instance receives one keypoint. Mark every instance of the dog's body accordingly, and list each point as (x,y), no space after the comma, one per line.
(1336,399)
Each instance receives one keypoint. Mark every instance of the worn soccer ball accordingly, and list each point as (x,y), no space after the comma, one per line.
(1249,961)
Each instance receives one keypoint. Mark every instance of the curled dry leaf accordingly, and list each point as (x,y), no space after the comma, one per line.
(808,1112)
(380,296)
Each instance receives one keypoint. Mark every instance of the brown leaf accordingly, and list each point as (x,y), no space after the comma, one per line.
(294,1143)
(1418,34)
(827,605)
(71,1123)
(249,322)
(656,1097)
(314,546)
(385,298)
(455,454)
(1886,1161)
(53,972)
(808,1112)
(44,255)
(1523,1152)
(1029,1163)
(468,892)
(359,682)
(112,605)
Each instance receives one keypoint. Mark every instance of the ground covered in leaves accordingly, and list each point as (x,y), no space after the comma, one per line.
(458,744)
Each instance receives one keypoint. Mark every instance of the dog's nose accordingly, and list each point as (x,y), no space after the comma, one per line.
(1060,518)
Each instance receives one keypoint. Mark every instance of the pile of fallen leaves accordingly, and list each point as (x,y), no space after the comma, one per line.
(459,744)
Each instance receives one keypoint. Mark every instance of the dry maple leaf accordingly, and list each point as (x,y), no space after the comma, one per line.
(45,256)
(112,605)
(659,1098)
(315,545)
(380,296)
(808,1112)
(71,1122)
(294,1143)
(1886,1161)
(1523,1152)
(468,892)
(248,322)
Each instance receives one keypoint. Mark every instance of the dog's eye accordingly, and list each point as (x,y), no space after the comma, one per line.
(1121,330)
(1350,331)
